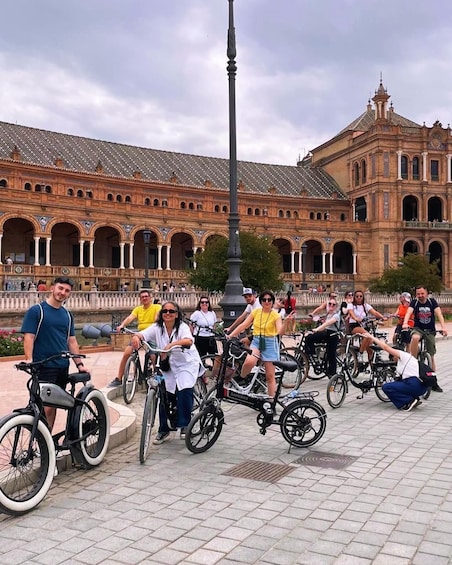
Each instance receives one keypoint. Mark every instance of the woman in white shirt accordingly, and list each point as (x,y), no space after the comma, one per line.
(185,365)
(204,319)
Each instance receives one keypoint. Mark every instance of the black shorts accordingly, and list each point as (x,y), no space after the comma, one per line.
(55,375)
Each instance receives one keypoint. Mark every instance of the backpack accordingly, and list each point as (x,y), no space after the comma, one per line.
(41,318)
(427,375)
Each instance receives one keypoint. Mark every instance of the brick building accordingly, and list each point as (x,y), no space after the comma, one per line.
(80,207)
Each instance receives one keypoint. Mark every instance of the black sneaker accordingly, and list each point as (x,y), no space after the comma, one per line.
(161,437)
(408,407)
(114,383)
(437,388)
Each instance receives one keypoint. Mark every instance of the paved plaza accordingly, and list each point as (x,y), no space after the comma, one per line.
(376,489)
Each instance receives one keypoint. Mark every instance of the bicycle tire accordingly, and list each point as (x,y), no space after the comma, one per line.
(130,379)
(92,417)
(204,429)
(348,359)
(303,423)
(199,393)
(386,376)
(336,391)
(302,360)
(147,423)
(24,484)
(426,358)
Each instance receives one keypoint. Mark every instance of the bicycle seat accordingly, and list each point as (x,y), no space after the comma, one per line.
(286,365)
(75,378)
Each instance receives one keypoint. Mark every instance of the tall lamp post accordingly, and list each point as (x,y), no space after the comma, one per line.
(232,302)
(147,239)
(304,249)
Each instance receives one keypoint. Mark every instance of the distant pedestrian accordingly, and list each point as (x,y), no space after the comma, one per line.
(290,305)
(204,319)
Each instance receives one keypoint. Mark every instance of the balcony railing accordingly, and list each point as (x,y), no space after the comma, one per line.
(428,225)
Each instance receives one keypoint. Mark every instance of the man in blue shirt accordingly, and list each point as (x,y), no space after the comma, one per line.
(48,330)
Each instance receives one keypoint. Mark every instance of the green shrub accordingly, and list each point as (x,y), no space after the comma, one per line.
(11,343)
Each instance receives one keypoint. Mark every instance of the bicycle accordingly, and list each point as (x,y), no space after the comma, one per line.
(156,392)
(135,371)
(302,421)
(315,366)
(27,447)
(378,371)
(256,381)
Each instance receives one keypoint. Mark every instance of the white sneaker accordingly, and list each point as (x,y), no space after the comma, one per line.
(360,358)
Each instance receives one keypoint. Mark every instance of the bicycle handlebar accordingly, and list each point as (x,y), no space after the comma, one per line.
(24,366)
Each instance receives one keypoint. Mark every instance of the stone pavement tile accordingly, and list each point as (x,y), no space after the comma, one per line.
(426,559)
(168,556)
(54,557)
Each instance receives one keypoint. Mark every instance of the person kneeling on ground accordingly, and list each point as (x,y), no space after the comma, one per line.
(403,393)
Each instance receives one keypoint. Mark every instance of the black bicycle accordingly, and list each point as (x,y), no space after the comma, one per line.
(302,420)
(156,392)
(136,371)
(369,376)
(27,447)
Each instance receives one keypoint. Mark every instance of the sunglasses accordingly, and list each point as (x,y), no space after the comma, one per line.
(359,296)
(331,303)
(267,300)
(168,311)
(204,302)
(350,294)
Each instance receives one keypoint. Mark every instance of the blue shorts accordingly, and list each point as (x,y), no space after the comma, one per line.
(270,351)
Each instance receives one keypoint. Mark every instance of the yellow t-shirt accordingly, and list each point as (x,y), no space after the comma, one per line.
(265,324)
(146,317)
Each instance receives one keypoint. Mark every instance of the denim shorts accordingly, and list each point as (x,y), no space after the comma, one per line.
(271,350)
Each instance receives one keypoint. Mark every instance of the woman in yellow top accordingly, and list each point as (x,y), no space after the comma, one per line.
(267,326)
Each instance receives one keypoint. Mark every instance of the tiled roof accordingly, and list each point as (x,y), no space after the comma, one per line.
(366,120)
(80,154)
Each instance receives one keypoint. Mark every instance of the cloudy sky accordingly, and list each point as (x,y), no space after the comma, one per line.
(153,72)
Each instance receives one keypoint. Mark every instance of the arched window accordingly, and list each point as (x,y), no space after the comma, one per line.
(342,216)
(147,201)
(280,213)
(249,211)
(404,167)
(37,188)
(27,186)
(183,205)
(217,208)
(3,183)
(224,209)
(364,171)
(416,168)
(156,202)
(165,203)
(319,216)
(79,193)
(311,215)
(89,194)
(356,174)
(199,206)
(118,198)
(191,206)
(48,189)
(257,212)
(110,197)
(128,199)
(288,214)
(70,192)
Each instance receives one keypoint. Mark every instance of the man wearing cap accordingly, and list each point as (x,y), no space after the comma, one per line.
(405,337)
(252,302)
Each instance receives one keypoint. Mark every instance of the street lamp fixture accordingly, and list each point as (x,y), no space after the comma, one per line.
(304,249)
(147,239)
(232,302)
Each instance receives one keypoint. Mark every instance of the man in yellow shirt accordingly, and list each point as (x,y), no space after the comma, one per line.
(145,314)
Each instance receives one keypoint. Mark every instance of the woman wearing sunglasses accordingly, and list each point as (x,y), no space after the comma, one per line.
(267,327)
(358,310)
(204,319)
(185,366)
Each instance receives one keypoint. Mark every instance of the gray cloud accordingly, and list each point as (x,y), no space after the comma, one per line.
(153,73)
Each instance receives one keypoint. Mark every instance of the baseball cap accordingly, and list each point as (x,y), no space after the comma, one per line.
(247,290)
(406,295)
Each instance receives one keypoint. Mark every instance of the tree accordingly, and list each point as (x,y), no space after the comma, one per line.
(413,270)
(260,269)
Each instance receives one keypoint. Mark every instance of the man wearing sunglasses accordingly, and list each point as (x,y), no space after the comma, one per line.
(48,330)
(252,302)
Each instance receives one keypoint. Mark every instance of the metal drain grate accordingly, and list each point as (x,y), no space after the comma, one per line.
(259,471)
(325,460)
